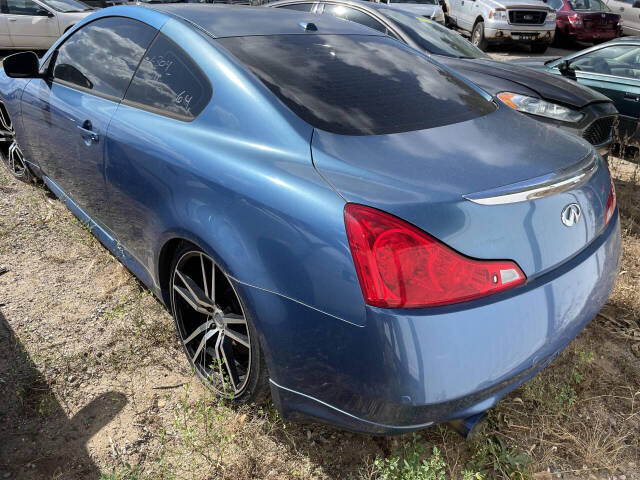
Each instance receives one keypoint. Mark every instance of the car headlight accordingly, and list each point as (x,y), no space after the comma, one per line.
(498,14)
(537,106)
(551,17)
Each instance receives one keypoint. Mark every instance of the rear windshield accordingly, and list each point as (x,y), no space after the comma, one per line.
(588,5)
(356,84)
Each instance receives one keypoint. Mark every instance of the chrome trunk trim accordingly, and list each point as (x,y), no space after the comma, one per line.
(539,187)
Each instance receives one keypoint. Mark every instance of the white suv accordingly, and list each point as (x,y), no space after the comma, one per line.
(36,24)
(504,21)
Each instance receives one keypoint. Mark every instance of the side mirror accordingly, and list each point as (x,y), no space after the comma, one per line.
(22,65)
(566,70)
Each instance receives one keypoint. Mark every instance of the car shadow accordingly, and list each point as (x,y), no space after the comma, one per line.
(37,438)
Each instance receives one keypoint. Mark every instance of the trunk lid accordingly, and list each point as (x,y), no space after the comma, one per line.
(422,177)
(599,20)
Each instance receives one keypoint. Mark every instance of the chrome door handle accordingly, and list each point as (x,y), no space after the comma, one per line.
(90,134)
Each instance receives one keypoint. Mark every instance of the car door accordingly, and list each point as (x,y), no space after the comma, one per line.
(5,39)
(630,15)
(168,91)
(67,113)
(30,24)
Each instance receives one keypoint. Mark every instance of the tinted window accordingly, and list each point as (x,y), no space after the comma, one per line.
(301,7)
(24,7)
(423,2)
(169,82)
(432,37)
(357,84)
(102,56)
(354,15)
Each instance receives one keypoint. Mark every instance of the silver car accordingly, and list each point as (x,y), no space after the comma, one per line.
(37,24)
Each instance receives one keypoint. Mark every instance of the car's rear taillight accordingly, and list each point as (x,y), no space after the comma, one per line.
(575,19)
(611,201)
(400,266)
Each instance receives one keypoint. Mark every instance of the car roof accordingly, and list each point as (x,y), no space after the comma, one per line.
(238,21)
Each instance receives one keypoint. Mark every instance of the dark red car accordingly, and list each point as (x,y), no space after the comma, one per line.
(585,20)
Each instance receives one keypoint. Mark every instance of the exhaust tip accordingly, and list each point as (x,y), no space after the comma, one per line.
(469,427)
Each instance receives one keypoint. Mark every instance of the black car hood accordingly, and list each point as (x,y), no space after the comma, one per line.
(550,87)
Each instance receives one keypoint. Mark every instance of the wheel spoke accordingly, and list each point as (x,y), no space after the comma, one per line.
(227,353)
(202,328)
(203,343)
(4,122)
(194,294)
(233,319)
(238,337)
(205,282)
(217,349)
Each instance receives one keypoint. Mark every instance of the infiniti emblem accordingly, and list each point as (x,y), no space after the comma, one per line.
(571,214)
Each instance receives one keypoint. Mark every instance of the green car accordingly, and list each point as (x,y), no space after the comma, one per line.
(612,68)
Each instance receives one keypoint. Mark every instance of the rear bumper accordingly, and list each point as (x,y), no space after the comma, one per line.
(405,370)
(584,35)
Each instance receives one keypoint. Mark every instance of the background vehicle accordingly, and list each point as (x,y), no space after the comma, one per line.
(613,69)
(425,8)
(629,10)
(37,24)
(104,3)
(555,101)
(272,179)
(505,21)
(585,20)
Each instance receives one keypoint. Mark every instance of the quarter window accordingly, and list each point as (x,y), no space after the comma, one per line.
(169,82)
(102,56)
(353,15)
(25,7)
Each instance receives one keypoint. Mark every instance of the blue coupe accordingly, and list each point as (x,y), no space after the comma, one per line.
(330,215)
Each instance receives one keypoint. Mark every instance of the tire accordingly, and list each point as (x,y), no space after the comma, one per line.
(539,47)
(478,38)
(218,336)
(10,153)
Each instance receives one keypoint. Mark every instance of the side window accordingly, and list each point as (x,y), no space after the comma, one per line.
(169,82)
(618,60)
(555,4)
(102,56)
(353,15)
(301,7)
(25,7)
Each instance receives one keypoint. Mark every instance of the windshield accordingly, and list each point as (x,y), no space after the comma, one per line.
(358,84)
(423,2)
(67,6)
(433,38)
